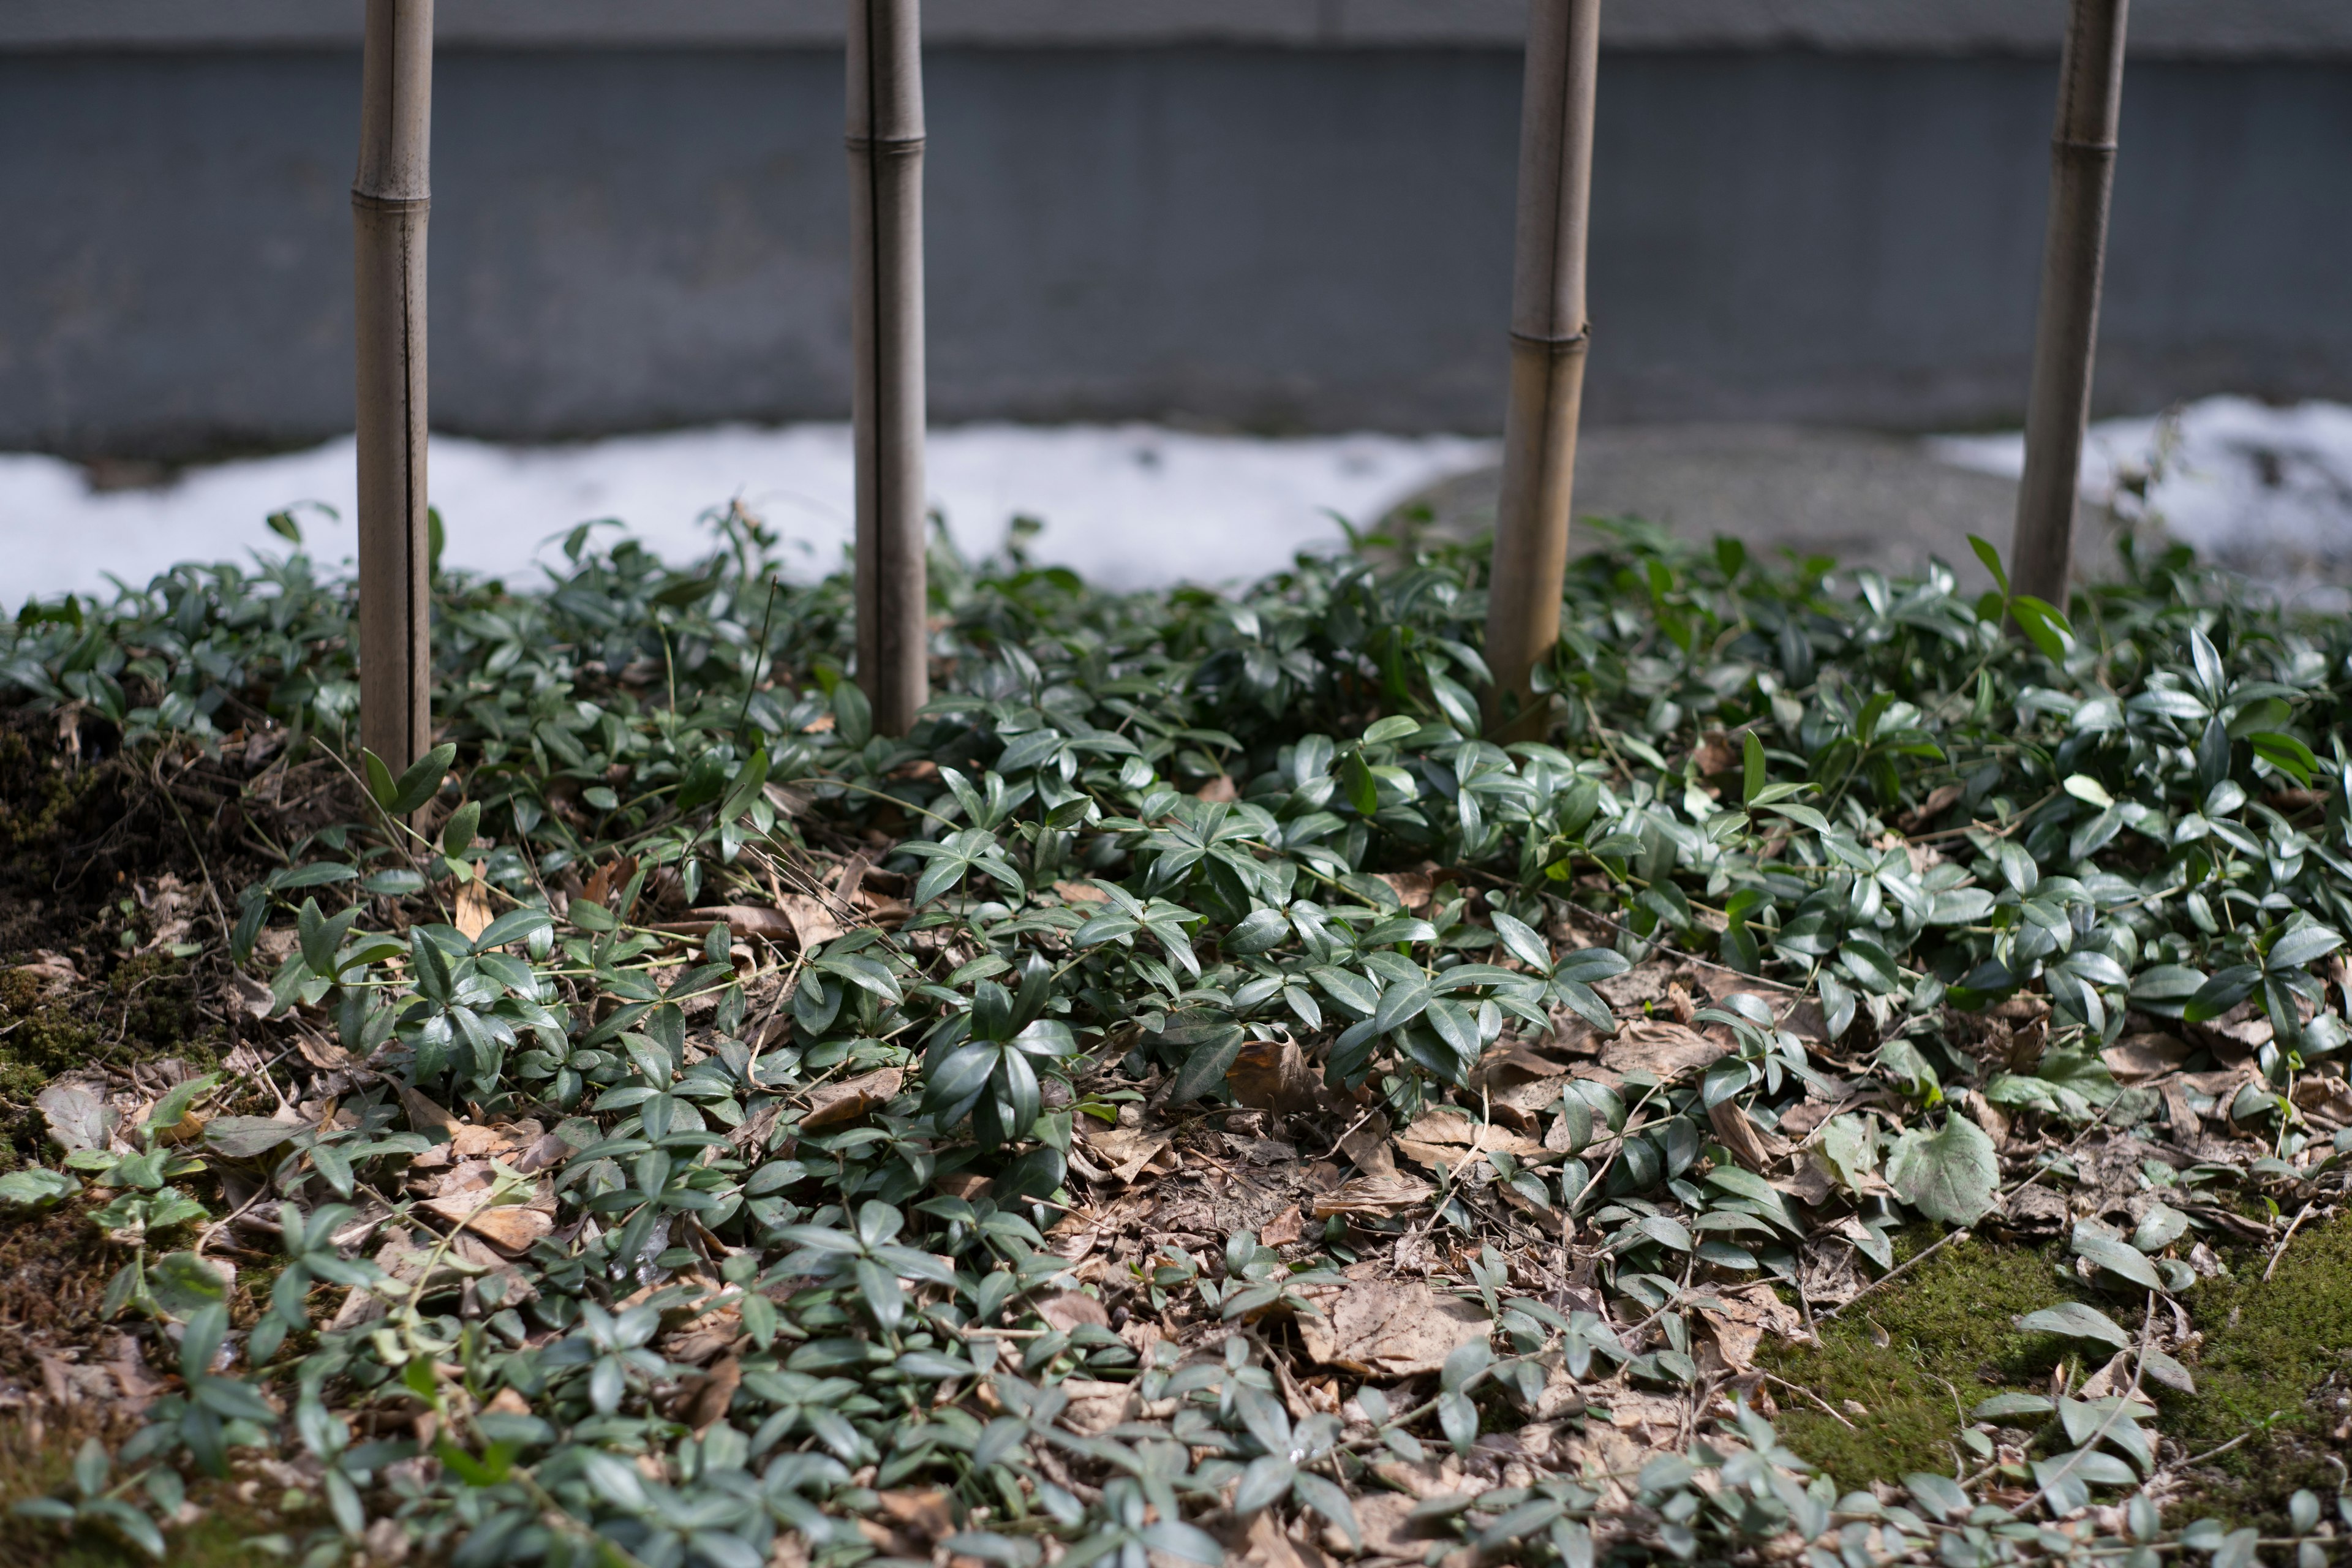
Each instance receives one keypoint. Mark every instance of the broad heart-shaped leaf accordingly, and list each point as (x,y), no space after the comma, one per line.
(1949,1174)
(2077,1321)
(2116,1256)
(34,1186)
(77,1118)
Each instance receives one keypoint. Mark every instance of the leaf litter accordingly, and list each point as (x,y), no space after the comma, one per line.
(1195,1095)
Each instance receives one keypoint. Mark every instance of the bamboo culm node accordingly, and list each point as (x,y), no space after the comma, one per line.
(886,182)
(2074,256)
(1549,336)
(391,200)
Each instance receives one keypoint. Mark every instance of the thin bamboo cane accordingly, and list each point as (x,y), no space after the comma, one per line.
(391,196)
(1548,336)
(2074,255)
(886,183)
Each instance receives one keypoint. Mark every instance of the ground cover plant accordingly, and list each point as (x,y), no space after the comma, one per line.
(1865,1087)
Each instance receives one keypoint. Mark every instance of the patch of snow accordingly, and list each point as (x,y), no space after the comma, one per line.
(1127,506)
(2262,490)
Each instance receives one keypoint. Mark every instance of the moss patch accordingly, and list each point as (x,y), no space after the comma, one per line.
(1949,1343)
(2276,1355)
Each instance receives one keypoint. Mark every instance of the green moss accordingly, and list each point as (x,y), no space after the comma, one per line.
(2276,1354)
(1950,1343)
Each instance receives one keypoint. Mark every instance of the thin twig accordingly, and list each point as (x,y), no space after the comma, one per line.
(1801,1388)
(2280,1250)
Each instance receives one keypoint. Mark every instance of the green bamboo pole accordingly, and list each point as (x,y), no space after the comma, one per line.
(886,185)
(2074,255)
(391,196)
(1548,336)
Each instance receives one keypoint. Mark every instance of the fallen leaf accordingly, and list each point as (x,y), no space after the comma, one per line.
(1081,893)
(250,997)
(1282,1229)
(471,1142)
(509,1227)
(1742,1318)
(1266,1546)
(718,1392)
(473,915)
(1411,888)
(608,879)
(743,920)
(1383,1195)
(1386,1327)
(1445,1140)
(1388,1525)
(925,1515)
(1125,1149)
(2138,1056)
(1070,1308)
(1095,1407)
(1664,1050)
(1272,1075)
(322,1053)
(811,922)
(77,1118)
(1217,790)
(1367,1144)
(1748,1144)
(834,1104)
(424,1116)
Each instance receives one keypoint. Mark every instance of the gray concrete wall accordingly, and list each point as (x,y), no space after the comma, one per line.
(1272,238)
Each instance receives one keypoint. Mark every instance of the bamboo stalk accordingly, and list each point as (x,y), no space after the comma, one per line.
(886,185)
(391,196)
(2074,255)
(1548,336)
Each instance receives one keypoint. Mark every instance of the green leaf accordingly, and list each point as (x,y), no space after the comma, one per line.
(458,833)
(2043,626)
(1395,726)
(2116,1256)
(1752,774)
(1204,1068)
(2076,1320)
(1991,559)
(2301,946)
(1260,931)
(36,1187)
(423,779)
(379,779)
(2006,1406)
(2223,992)
(2286,753)
(1949,1174)
(243,1137)
(750,780)
(1523,941)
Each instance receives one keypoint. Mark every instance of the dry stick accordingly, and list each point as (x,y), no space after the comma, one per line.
(886,186)
(391,196)
(1548,334)
(2082,174)
(2280,1250)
